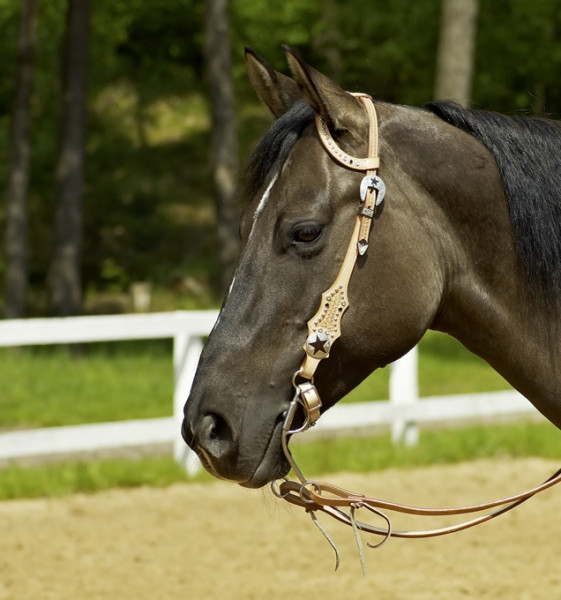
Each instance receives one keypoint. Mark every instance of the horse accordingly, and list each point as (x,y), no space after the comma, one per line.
(467,241)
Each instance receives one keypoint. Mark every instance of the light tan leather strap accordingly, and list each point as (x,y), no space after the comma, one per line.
(305,497)
(321,495)
(369,163)
(324,328)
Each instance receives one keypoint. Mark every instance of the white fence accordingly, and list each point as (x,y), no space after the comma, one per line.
(402,412)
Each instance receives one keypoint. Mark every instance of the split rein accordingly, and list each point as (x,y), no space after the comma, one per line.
(324,328)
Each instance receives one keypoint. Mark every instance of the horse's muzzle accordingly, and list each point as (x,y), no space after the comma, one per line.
(251,464)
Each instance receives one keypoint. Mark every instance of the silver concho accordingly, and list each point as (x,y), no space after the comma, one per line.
(318,345)
(372,182)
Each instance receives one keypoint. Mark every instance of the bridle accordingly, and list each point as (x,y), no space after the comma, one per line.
(324,328)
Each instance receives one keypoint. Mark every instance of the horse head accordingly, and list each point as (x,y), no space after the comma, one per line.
(295,229)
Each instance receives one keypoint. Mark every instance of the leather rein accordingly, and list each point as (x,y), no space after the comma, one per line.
(324,328)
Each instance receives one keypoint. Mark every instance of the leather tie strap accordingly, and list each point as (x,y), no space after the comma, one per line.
(315,495)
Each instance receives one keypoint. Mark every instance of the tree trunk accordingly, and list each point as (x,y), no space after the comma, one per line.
(456,50)
(224,144)
(64,275)
(16,281)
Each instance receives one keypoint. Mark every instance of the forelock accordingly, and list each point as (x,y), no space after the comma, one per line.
(272,150)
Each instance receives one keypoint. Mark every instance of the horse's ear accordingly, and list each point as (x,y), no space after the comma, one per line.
(337,107)
(276,90)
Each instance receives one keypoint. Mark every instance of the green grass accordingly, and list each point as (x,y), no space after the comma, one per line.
(441,446)
(445,367)
(55,480)
(316,459)
(52,386)
(46,386)
(55,385)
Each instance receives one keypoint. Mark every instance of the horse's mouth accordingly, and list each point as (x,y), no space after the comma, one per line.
(273,464)
(250,457)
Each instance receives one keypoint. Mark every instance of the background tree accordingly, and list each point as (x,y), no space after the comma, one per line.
(456,50)
(224,142)
(16,279)
(65,268)
(148,211)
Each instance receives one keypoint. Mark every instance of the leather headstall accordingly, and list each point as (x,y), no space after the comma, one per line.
(324,328)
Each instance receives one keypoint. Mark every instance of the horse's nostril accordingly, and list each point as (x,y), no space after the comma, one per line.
(214,435)
(218,429)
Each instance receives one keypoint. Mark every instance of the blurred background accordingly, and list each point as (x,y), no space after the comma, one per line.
(115,114)
(123,127)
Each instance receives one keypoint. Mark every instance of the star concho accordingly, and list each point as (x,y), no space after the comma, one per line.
(318,345)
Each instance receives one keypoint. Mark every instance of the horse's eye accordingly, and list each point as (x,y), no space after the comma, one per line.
(307,234)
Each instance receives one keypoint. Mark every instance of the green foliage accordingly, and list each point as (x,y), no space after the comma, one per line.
(148,206)
(518,56)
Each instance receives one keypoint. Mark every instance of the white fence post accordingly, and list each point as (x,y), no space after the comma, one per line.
(404,389)
(186,353)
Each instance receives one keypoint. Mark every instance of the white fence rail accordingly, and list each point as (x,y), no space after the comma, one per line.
(402,412)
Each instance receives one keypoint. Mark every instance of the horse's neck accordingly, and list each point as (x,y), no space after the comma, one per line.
(455,188)
(489,310)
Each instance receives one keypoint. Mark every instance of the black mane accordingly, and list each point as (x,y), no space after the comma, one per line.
(528,154)
(271,151)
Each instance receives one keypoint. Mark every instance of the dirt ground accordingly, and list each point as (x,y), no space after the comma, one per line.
(219,541)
